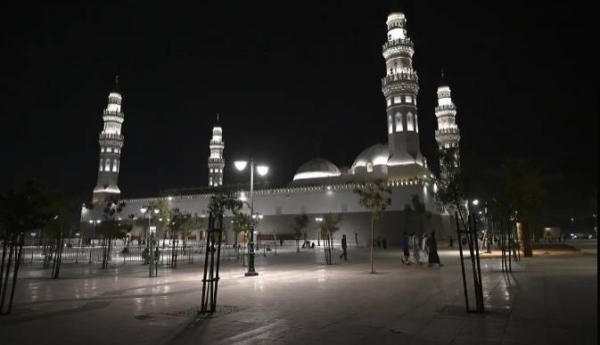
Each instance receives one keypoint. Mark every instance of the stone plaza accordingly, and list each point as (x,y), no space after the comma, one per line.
(297,299)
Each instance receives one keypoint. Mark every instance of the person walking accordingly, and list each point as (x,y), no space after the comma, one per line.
(451,242)
(424,245)
(344,248)
(405,246)
(433,254)
(356,238)
(416,248)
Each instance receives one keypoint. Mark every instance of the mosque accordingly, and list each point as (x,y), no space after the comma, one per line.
(319,186)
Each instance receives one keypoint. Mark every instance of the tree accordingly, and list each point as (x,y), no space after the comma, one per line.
(300,223)
(243,223)
(182,224)
(222,202)
(328,227)
(64,208)
(523,193)
(375,197)
(418,209)
(110,228)
(451,184)
(20,212)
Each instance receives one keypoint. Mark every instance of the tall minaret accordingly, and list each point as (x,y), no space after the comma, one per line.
(111,143)
(448,134)
(400,87)
(216,163)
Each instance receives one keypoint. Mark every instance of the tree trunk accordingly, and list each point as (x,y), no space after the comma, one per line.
(524,238)
(57,258)
(2,264)
(372,239)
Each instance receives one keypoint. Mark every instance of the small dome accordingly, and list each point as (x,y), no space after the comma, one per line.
(317,168)
(376,155)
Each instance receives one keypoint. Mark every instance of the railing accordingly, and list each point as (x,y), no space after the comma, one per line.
(118,254)
(399,77)
(400,41)
(110,136)
(455,131)
(445,107)
(113,113)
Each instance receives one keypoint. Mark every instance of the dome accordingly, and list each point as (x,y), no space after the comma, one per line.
(376,155)
(317,168)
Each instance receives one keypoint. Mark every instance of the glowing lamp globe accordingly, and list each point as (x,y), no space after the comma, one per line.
(262,170)
(240,165)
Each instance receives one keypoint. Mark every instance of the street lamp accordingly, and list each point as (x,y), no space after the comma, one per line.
(95,222)
(257,216)
(150,210)
(319,220)
(262,171)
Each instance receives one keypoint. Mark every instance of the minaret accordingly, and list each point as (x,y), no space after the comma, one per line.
(111,143)
(447,135)
(400,87)
(216,163)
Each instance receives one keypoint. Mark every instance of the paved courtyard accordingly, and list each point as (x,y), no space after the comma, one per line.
(551,299)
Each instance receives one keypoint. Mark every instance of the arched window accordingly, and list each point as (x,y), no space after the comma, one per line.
(101,164)
(210,181)
(115,169)
(369,167)
(399,127)
(410,126)
(390,125)
(107,165)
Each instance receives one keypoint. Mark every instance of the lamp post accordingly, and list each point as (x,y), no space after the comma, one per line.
(95,222)
(261,170)
(319,220)
(150,210)
(78,247)
(257,216)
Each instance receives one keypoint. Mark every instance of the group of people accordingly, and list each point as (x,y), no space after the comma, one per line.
(423,248)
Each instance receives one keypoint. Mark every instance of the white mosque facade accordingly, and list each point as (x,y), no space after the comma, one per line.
(320,187)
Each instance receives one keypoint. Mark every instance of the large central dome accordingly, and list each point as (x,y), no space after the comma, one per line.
(317,168)
(374,155)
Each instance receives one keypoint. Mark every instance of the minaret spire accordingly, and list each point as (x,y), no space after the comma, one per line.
(216,163)
(111,143)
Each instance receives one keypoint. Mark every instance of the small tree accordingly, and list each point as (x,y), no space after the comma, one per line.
(375,197)
(523,193)
(111,229)
(300,223)
(451,184)
(20,213)
(328,228)
(243,223)
(418,209)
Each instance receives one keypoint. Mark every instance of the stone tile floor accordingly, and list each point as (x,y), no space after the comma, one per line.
(298,300)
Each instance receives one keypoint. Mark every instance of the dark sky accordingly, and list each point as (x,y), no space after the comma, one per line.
(291,81)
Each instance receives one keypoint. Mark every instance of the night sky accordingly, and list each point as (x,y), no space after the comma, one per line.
(291,81)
